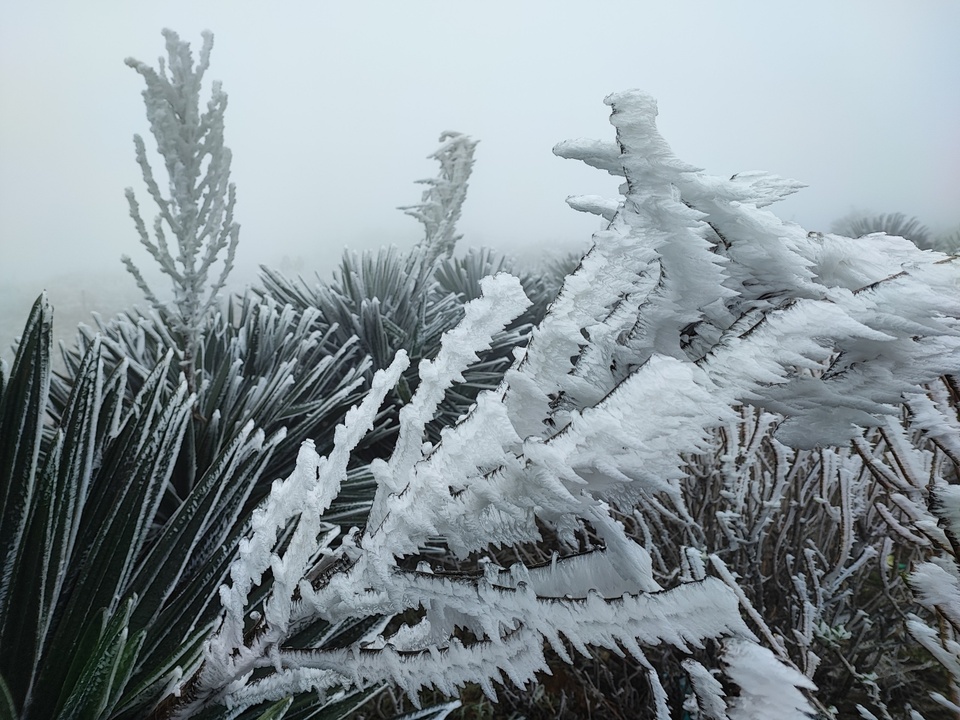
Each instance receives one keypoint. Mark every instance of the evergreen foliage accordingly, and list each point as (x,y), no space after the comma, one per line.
(257,362)
(388,300)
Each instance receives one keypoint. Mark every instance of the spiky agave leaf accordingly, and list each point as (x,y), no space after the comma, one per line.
(22,407)
(86,537)
(541,280)
(100,602)
(258,361)
(387,303)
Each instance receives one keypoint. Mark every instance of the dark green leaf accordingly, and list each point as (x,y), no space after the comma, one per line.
(277,710)
(8,710)
(22,407)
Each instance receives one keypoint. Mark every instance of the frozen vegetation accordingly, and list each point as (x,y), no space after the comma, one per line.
(720,451)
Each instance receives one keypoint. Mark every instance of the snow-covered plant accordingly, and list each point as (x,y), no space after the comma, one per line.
(442,201)
(858,225)
(259,362)
(198,212)
(313,579)
(101,600)
(391,300)
(694,301)
(920,476)
(806,533)
(937,585)
(254,360)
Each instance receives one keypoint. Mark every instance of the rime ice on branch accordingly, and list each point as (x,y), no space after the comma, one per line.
(693,300)
(199,209)
(439,209)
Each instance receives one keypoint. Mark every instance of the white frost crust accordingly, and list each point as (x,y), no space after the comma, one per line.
(306,493)
(936,584)
(594,204)
(442,201)
(947,509)
(502,301)
(769,690)
(515,623)
(707,690)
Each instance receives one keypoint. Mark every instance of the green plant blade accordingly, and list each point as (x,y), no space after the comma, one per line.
(105,672)
(277,710)
(8,710)
(22,407)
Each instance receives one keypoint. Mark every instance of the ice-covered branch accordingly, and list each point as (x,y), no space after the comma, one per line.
(302,498)
(826,330)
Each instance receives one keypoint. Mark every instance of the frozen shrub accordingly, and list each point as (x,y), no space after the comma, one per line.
(694,302)
(199,211)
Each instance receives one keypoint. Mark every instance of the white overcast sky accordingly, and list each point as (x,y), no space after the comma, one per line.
(335,106)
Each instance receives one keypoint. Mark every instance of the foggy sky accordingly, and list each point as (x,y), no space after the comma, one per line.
(334,107)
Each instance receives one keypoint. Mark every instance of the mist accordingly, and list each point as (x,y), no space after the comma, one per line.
(334,109)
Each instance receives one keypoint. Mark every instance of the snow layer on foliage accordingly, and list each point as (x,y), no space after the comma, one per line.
(693,299)
(608,602)
(769,690)
(947,508)
(570,576)
(707,690)
(868,350)
(681,616)
(757,301)
(439,209)
(936,584)
(514,623)
(609,452)
(199,212)
(931,413)
(315,482)
(399,497)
